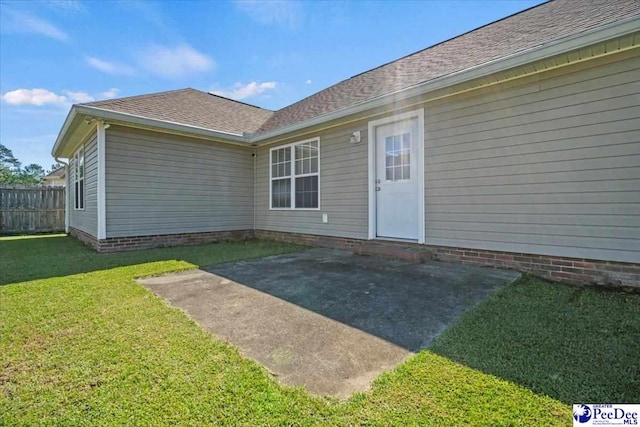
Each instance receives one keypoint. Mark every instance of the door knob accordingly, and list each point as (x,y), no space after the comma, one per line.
(377,188)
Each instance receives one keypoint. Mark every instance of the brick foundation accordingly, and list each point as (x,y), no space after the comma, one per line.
(85,238)
(554,268)
(117,244)
(411,253)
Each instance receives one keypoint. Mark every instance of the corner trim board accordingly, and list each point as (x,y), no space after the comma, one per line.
(101,187)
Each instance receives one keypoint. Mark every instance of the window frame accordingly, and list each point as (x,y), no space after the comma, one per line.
(77,180)
(292,177)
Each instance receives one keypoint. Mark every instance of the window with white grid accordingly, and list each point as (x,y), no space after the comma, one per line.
(295,175)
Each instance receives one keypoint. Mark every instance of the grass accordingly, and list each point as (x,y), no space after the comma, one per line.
(24,258)
(82,344)
(575,344)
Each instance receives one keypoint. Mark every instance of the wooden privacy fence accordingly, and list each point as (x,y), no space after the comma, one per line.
(27,209)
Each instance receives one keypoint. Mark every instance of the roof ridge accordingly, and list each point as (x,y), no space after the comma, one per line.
(417,52)
(454,37)
(235,100)
(526,29)
(191,107)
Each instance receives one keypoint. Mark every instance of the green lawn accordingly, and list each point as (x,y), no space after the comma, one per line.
(82,344)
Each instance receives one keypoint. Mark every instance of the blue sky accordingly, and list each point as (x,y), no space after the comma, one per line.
(271,54)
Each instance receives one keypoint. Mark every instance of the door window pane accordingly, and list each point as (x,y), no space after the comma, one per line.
(396,143)
(406,141)
(398,157)
(406,172)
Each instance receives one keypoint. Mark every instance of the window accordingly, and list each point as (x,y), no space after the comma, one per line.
(79,178)
(398,157)
(295,176)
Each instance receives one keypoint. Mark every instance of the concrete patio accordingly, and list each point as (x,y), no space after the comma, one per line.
(327,319)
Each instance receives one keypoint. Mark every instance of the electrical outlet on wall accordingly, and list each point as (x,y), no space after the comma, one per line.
(325,218)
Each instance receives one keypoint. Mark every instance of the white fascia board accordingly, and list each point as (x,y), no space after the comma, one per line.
(104,114)
(557,47)
(65,128)
(156,123)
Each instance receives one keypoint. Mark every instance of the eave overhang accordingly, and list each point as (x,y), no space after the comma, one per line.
(606,40)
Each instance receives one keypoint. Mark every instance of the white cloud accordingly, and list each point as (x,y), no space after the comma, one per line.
(109,67)
(37,97)
(19,22)
(176,61)
(308,82)
(42,97)
(111,93)
(79,97)
(249,90)
(279,12)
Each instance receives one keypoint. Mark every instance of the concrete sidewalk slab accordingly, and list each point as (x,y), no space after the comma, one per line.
(328,319)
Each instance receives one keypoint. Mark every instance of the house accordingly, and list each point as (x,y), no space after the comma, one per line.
(55,178)
(516,145)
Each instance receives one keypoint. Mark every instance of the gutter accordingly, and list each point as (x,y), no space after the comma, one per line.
(67,195)
(255,188)
(65,127)
(550,49)
(163,124)
(111,115)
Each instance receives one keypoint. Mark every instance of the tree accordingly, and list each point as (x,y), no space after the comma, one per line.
(6,176)
(32,174)
(12,172)
(9,166)
(8,160)
(55,167)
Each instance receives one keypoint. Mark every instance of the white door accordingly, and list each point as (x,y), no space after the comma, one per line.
(396,185)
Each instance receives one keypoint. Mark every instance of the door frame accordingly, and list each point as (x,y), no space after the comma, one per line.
(372,140)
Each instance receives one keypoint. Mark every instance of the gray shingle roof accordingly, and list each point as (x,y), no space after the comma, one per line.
(525,30)
(191,107)
(58,173)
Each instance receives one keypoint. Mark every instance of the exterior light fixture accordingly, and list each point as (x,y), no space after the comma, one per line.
(355,137)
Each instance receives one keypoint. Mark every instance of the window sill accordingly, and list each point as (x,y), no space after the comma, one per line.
(294,209)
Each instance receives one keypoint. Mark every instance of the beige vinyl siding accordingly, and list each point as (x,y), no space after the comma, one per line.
(87,219)
(343,189)
(549,167)
(159,183)
(548,164)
